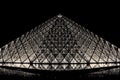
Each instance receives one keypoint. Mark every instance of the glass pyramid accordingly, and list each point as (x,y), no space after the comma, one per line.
(59,44)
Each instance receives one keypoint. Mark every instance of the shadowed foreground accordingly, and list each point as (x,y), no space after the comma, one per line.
(25,74)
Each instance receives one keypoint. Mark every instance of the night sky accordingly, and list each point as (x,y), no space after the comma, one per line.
(103,19)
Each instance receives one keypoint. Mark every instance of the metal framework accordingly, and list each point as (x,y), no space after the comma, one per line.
(59,44)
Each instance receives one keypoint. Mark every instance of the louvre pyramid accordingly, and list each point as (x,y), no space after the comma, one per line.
(59,44)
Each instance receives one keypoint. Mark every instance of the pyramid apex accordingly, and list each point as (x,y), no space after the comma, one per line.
(59,15)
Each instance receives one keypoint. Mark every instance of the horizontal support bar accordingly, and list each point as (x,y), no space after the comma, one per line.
(59,63)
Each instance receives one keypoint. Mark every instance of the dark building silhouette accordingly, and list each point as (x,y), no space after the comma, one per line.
(60,45)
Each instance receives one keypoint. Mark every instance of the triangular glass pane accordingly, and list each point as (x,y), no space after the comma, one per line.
(64,61)
(55,61)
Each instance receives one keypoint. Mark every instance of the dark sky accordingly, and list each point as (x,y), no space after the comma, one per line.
(103,19)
